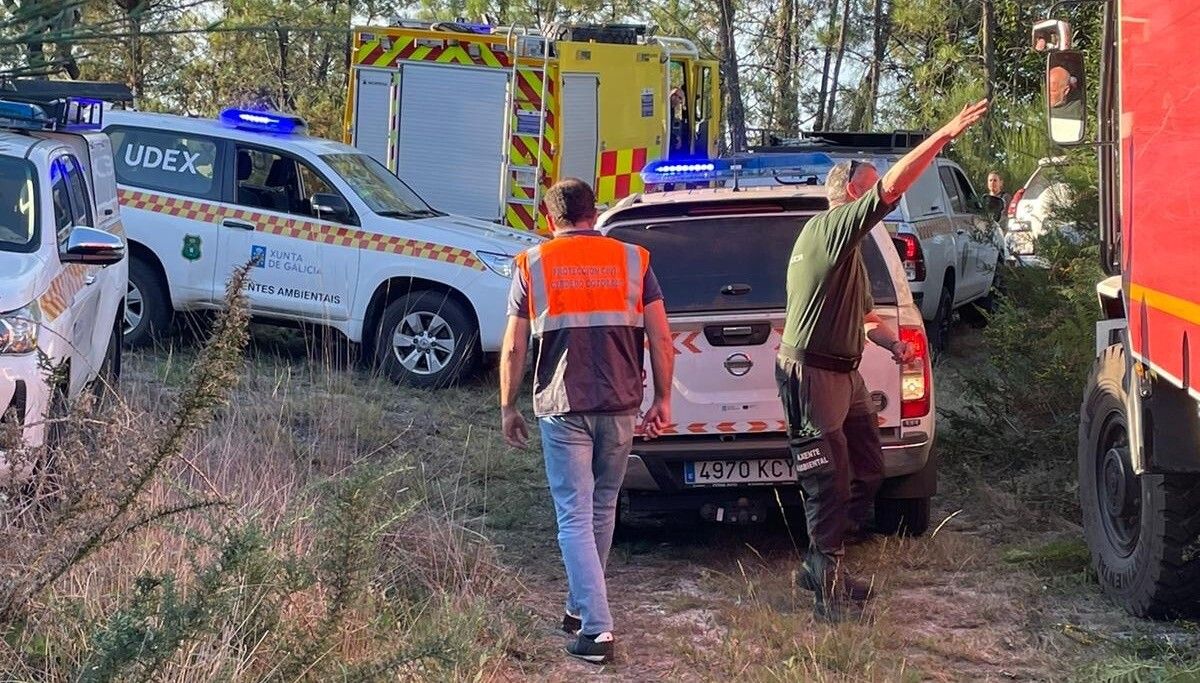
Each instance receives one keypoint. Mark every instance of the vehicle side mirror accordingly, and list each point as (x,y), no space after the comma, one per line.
(1050,35)
(330,207)
(1066,97)
(92,247)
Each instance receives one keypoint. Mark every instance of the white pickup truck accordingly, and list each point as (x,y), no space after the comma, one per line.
(721,259)
(62,263)
(949,246)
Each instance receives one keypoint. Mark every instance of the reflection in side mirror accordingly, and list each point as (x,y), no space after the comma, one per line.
(1066,97)
(92,247)
(329,206)
(1050,35)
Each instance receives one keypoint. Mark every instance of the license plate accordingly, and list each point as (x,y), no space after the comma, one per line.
(728,472)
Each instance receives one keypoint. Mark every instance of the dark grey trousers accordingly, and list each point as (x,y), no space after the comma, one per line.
(836,408)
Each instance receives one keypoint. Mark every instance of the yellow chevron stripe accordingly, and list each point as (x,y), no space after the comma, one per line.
(390,55)
(488,57)
(364,50)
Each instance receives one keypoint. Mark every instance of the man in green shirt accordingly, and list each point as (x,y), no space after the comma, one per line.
(829,319)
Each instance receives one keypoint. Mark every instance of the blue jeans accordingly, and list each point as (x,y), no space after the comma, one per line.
(585,464)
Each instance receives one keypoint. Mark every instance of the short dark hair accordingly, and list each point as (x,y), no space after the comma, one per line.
(570,201)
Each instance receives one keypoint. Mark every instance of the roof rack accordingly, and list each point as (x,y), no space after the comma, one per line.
(900,140)
(60,104)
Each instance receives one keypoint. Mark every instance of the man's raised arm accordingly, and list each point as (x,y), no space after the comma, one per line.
(905,172)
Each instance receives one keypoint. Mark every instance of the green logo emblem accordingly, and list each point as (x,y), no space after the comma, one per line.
(191,247)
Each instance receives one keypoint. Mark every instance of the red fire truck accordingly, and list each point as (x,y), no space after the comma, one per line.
(1139,431)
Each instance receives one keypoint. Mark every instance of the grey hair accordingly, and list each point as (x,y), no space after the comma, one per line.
(837,181)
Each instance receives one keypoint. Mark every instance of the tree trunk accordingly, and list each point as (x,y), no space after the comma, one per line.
(285,95)
(823,97)
(785,70)
(837,64)
(989,48)
(735,112)
(882,30)
(137,66)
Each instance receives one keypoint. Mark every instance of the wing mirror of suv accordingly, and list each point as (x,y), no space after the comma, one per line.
(92,247)
(1066,97)
(330,207)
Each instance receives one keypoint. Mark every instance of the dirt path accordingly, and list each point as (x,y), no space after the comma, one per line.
(699,603)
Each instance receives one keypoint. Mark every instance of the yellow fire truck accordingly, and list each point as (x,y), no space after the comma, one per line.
(480,120)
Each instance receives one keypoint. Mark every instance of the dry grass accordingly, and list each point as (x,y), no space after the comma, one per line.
(307,531)
(354,530)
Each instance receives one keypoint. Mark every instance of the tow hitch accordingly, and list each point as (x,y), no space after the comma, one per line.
(741,511)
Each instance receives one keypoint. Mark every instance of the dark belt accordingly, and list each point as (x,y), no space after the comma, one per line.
(821,361)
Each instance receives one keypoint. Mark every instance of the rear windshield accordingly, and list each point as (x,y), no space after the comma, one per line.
(696,259)
(165,160)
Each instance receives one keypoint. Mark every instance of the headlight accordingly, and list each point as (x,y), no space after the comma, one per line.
(19,330)
(500,264)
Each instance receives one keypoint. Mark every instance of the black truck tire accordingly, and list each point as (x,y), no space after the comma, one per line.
(902,516)
(1142,530)
(427,339)
(938,329)
(147,306)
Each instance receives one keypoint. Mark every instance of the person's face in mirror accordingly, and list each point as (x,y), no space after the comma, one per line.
(1059,86)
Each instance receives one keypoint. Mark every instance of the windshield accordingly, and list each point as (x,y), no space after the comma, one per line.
(694,260)
(18,208)
(383,193)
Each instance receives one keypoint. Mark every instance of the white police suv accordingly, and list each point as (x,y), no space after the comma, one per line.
(721,258)
(62,260)
(334,240)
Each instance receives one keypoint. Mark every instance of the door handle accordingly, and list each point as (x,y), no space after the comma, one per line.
(89,279)
(235,223)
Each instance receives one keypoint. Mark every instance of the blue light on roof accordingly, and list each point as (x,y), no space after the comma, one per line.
(24,116)
(262,121)
(668,171)
(742,165)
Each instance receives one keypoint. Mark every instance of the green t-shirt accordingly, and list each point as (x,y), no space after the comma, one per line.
(828,292)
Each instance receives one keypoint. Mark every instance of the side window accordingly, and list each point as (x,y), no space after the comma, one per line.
(166,161)
(312,183)
(60,193)
(81,204)
(970,201)
(925,196)
(951,184)
(271,181)
(702,94)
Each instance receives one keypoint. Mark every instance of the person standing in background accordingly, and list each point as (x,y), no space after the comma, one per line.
(996,201)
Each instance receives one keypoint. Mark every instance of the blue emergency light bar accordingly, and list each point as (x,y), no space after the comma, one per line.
(263,121)
(799,164)
(24,116)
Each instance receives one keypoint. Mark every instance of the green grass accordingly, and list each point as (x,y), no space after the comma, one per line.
(1056,558)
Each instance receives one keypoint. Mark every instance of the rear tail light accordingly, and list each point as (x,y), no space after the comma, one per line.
(916,383)
(1016,198)
(909,248)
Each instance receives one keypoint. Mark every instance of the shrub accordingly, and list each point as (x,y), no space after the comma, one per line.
(1019,406)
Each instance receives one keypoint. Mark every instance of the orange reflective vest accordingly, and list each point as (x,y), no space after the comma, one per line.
(584,282)
(585,299)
